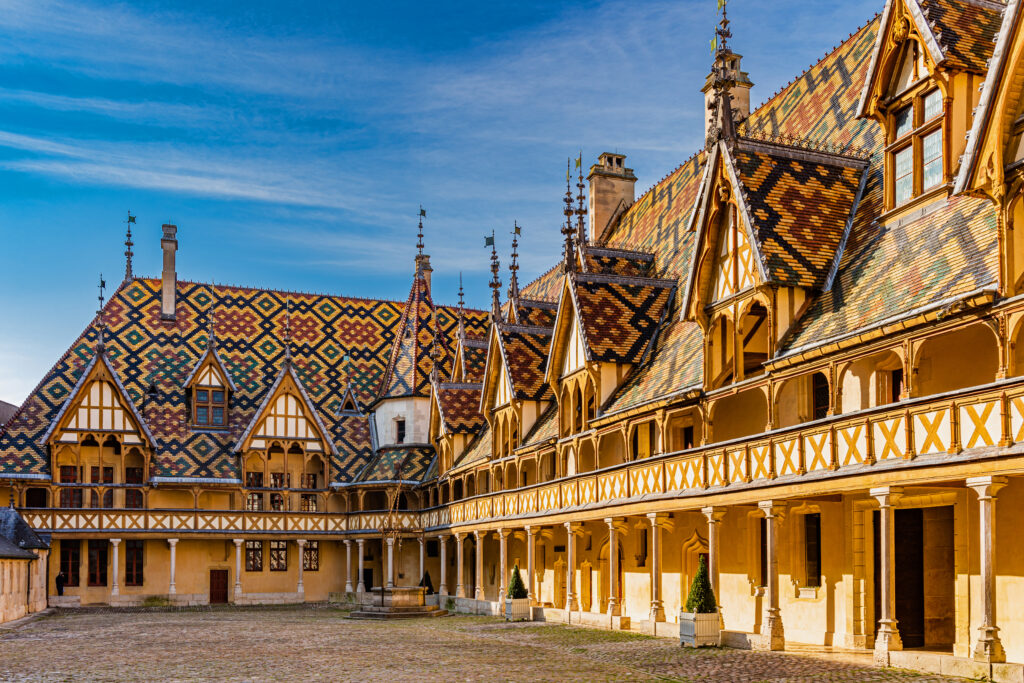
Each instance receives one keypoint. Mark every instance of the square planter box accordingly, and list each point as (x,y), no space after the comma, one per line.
(518,610)
(699,630)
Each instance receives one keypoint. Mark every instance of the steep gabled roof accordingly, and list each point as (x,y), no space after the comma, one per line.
(416,461)
(14,529)
(408,371)
(520,353)
(458,405)
(211,353)
(619,315)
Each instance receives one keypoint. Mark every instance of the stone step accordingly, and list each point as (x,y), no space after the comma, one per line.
(382,616)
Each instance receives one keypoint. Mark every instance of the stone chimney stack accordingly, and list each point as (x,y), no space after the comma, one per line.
(740,92)
(423,267)
(169,277)
(612,186)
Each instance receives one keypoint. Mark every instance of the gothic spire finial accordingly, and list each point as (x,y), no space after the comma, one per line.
(567,230)
(581,209)
(288,331)
(128,244)
(419,235)
(513,264)
(462,309)
(723,79)
(101,324)
(495,280)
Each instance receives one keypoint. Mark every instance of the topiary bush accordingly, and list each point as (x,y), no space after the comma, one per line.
(702,598)
(516,587)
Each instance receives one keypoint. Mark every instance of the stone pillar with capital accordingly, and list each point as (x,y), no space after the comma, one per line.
(442,542)
(714,515)
(571,531)
(614,527)
(658,521)
(460,587)
(773,636)
(300,587)
(115,588)
(887,639)
(391,562)
(529,565)
(989,647)
(238,566)
(502,563)
(173,542)
(478,592)
(360,584)
(348,566)
(423,555)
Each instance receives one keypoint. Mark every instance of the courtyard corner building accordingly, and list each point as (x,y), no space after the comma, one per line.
(797,356)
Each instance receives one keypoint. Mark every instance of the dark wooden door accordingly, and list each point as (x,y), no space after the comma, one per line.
(367,578)
(908,566)
(218,586)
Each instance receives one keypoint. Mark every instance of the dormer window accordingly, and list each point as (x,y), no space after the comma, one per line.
(210,387)
(210,407)
(916,147)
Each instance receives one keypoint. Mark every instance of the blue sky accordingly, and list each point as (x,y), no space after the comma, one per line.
(293,142)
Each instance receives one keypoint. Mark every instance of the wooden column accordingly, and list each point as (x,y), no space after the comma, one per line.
(989,647)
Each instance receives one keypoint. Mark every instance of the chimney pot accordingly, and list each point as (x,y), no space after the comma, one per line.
(423,267)
(169,277)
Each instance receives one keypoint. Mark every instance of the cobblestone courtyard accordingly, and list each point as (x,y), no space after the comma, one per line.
(315,642)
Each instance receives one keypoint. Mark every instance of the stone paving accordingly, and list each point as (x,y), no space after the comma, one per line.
(318,642)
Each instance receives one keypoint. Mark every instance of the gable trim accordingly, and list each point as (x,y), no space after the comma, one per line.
(210,350)
(847,229)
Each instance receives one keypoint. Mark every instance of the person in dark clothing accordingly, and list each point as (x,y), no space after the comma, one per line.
(61,580)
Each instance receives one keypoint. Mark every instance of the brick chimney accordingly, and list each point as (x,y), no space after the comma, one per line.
(169,277)
(612,187)
(740,92)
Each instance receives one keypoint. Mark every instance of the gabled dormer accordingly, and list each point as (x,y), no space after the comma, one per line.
(349,404)
(514,394)
(770,222)
(209,388)
(922,85)
(455,419)
(604,328)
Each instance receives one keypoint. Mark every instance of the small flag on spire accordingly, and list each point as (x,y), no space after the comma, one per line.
(131,218)
(714,44)
(423,212)
(489,240)
(516,229)
(721,4)
(579,160)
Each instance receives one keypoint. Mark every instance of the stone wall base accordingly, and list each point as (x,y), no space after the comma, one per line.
(269,598)
(64,601)
(948,665)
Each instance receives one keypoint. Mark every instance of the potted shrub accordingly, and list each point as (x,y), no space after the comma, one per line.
(699,624)
(517,604)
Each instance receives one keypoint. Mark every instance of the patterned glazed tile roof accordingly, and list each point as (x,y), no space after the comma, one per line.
(964,30)
(533,313)
(800,204)
(249,328)
(676,363)
(617,262)
(408,371)
(620,315)
(526,350)
(474,359)
(415,464)
(887,271)
(544,429)
(460,407)
(477,451)
(546,287)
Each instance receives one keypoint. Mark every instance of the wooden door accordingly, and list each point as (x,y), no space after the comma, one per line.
(908,567)
(218,586)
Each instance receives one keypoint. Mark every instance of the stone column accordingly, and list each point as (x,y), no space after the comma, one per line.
(988,648)
(529,564)
(772,634)
(173,542)
(115,589)
(460,587)
(238,566)
(502,563)
(571,604)
(614,608)
(300,588)
(391,562)
(478,592)
(442,541)
(888,637)
(714,516)
(658,521)
(423,555)
(360,584)
(348,566)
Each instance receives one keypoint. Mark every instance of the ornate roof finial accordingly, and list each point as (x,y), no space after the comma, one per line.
(101,324)
(723,79)
(495,280)
(462,310)
(419,243)
(569,251)
(513,264)
(128,244)
(581,208)
(288,331)
(209,325)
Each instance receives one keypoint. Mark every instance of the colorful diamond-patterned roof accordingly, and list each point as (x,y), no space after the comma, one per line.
(408,371)
(534,313)
(478,450)
(887,270)
(800,204)
(617,262)
(547,287)
(415,461)
(249,328)
(526,351)
(964,30)
(620,315)
(474,359)
(459,406)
